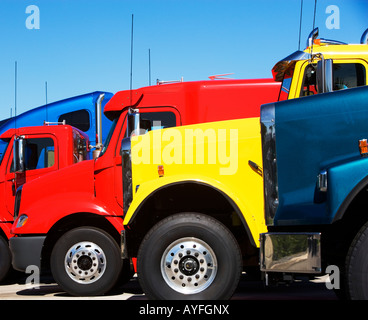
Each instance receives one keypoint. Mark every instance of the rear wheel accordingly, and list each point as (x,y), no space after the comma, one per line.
(86,262)
(357,266)
(189,256)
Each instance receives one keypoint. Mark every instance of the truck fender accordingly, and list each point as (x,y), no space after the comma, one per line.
(149,189)
(349,198)
(345,182)
(5,227)
(56,208)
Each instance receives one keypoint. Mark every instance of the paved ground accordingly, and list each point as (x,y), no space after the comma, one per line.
(16,289)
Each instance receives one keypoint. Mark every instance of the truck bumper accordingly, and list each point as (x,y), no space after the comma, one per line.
(26,251)
(290,252)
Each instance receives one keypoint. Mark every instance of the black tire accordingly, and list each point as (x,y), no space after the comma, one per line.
(5,259)
(86,262)
(198,251)
(357,266)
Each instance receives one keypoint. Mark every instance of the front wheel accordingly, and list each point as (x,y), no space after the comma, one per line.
(5,259)
(189,256)
(86,262)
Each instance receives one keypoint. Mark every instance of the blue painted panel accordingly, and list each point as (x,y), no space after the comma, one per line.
(315,133)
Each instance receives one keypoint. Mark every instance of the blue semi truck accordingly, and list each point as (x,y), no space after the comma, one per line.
(85,112)
(315,168)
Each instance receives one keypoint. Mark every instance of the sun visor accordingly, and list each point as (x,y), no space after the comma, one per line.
(281,67)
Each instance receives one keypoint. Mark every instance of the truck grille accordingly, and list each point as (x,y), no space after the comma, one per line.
(18,197)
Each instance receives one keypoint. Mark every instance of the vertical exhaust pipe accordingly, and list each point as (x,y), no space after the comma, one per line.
(364,38)
(98,146)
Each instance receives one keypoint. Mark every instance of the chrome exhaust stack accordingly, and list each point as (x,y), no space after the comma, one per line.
(98,145)
(364,38)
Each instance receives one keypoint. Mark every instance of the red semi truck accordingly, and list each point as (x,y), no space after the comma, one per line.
(71,220)
(46,149)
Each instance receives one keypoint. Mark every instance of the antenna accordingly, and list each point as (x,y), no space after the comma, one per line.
(46,91)
(131,63)
(47,116)
(15,93)
(314,20)
(300,24)
(314,15)
(149,66)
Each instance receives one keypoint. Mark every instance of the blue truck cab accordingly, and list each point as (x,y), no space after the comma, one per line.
(84,112)
(315,169)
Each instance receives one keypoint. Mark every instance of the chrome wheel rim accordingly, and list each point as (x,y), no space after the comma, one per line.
(189,265)
(85,262)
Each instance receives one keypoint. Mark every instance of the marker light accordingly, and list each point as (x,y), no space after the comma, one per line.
(160,170)
(363,147)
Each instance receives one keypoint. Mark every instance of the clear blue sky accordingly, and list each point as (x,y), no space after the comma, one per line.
(84,45)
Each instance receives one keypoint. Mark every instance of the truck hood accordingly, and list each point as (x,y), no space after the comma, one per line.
(78,177)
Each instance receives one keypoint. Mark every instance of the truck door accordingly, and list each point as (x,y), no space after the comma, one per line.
(41,158)
(347,73)
(158,118)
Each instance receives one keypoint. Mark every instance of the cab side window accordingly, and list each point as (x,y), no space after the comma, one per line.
(348,75)
(345,75)
(39,154)
(79,119)
(309,86)
(158,120)
(152,121)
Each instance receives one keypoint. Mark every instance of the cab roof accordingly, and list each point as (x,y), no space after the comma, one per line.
(171,94)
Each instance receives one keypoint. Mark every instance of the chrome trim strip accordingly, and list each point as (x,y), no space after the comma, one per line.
(268,134)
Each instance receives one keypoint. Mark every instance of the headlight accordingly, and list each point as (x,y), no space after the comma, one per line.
(22,220)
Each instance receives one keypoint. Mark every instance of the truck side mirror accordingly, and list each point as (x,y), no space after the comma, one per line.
(19,149)
(324,75)
(136,124)
(133,124)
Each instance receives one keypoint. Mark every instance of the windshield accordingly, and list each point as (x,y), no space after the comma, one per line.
(107,141)
(286,83)
(285,88)
(3,147)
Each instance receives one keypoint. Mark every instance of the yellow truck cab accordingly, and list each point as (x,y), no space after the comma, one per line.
(302,73)
(196,209)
